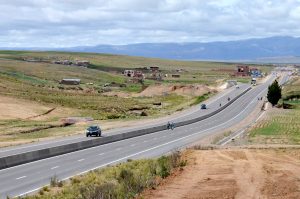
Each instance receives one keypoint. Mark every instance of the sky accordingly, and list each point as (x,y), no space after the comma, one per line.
(67,23)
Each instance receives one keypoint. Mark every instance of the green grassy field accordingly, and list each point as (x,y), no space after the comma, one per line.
(194,71)
(39,82)
(282,126)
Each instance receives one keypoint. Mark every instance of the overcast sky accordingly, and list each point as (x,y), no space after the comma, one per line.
(64,23)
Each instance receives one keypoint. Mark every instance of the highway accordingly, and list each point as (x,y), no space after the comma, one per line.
(27,178)
(212,105)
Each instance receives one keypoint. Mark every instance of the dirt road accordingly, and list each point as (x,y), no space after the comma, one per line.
(235,173)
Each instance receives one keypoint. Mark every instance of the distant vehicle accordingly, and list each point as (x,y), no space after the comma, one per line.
(237,86)
(93,130)
(253,81)
(203,106)
(171,125)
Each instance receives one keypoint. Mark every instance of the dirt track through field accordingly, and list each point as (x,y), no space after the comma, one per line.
(235,173)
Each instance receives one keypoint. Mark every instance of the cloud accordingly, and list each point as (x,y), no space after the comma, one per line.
(56,23)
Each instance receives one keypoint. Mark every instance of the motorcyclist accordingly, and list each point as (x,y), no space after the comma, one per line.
(171,125)
(168,125)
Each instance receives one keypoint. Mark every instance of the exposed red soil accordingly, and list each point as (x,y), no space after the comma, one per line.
(235,173)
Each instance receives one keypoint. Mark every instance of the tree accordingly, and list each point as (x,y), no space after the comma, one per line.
(274,93)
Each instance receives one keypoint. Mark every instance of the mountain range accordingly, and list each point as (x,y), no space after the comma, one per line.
(279,49)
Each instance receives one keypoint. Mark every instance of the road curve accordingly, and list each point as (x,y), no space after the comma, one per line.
(29,177)
(195,112)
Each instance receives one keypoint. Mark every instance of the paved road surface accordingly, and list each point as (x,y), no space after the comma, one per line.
(29,177)
(212,105)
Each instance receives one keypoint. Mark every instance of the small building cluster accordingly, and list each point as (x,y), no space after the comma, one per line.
(136,75)
(254,72)
(243,70)
(153,72)
(83,63)
(70,81)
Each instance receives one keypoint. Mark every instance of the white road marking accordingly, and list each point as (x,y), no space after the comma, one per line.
(241,131)
(132,145)
(260,116)
(21,177)
(101,154)
(214,99)
(132,155)
(3,170)
(244,129)
(54,167)
(209,102)
(80,160)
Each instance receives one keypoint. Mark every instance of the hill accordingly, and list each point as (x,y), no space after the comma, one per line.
(34,104)
(272,49)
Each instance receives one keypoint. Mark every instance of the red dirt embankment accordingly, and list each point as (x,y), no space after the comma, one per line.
(235,173)
(163,89)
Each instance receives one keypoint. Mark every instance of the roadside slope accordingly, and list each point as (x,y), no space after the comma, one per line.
(235,173)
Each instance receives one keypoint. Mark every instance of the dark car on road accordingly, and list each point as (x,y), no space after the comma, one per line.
(203,106)
(93,130)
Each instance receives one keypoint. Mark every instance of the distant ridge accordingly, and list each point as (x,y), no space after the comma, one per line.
(265,49)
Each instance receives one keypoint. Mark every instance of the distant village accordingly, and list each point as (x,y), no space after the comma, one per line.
(138,75)
(248,71)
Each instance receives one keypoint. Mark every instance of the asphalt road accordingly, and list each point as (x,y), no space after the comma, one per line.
(194,112)
(27,178)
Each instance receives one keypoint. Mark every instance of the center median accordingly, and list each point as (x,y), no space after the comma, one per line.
(22,158)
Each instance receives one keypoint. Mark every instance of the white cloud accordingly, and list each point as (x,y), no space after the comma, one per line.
(90,22)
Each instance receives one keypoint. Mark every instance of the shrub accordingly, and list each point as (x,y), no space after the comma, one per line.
(45,189)
(53,181)
(75,180)
(183,163)
(41,192)
(175,159)
(163,167)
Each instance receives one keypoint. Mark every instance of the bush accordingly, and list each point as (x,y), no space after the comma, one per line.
(75,180)
(163,167)
(45,189)
(175,159)
(114,116)
(53,181)
(144,113)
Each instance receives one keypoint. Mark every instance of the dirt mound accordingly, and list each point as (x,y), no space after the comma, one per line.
(190,90)
(235,173)
(12,108)
(162,89)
